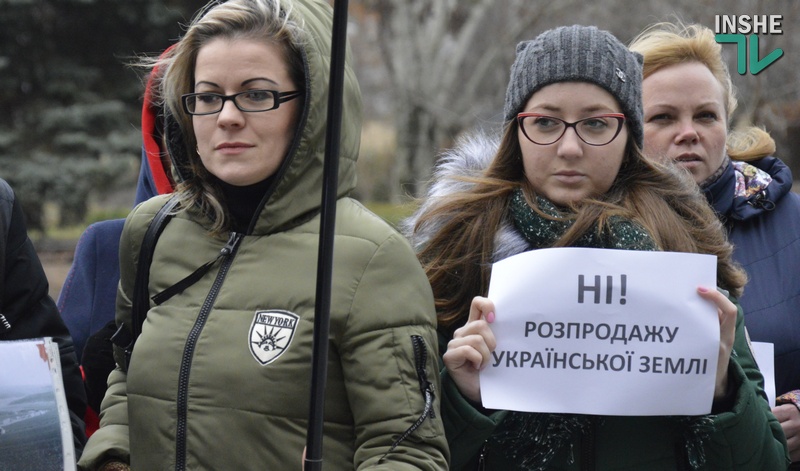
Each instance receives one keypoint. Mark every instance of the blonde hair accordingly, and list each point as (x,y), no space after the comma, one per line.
(666,44)
(262,20)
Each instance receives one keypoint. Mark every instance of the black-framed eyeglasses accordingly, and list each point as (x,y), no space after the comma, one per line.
(249,101)
(595,130)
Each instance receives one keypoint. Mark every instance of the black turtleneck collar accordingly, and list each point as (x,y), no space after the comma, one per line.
(242,201)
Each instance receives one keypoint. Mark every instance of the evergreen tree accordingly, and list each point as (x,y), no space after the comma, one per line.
(70,128)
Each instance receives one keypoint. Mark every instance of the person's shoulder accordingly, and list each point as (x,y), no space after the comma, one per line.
(6,208)
(101,231)
(6,200)
(787,212)
(793,199)
(96,243)
(152,205)
(139,218)
(358,228)
(785,207)
(356,220)
(6,193)
(144,212)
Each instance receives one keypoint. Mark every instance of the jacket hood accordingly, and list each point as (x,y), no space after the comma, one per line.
(155,174)
(471,155)
(775,183)
(295,194)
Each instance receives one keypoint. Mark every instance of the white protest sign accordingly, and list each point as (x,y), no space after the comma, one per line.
(764,352)
(600,331)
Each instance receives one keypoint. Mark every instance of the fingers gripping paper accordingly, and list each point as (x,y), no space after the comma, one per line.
(600,331)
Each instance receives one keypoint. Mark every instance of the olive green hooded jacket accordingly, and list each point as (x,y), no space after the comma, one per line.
(220,376)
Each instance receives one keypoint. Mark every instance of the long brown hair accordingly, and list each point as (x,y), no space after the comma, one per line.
(664,200)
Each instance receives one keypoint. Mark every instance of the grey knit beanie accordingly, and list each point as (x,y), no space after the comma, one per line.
(582,54)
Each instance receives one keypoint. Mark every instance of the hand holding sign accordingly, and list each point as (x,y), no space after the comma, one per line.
(632,327)
(726,311)
(470,350)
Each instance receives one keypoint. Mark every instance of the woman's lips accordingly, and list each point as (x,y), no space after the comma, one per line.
(688,160)
(569,177)
(232,148)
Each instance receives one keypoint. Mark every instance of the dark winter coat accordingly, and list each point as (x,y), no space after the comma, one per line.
(743,437)
(765,231)
(26,309)
(87,298)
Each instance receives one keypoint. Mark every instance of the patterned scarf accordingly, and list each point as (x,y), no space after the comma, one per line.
(750,180)
(543,232)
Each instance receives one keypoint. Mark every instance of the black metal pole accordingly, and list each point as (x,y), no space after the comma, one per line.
(319,372)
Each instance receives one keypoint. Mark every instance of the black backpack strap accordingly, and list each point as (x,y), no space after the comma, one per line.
(140,304)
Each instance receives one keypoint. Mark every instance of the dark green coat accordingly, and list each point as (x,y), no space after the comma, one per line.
(747,437)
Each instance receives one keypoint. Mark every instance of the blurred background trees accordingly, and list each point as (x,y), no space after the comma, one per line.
(69,130)
(429,70)
(447,62)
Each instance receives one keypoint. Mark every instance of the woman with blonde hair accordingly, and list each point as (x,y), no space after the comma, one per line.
(689,101)
(219,377)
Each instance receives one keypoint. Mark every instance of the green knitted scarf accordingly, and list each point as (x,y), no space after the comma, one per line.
(534,439)
(542,232)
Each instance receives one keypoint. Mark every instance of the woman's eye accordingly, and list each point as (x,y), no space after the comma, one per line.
(258,95)
(544,122)
(660,117)
(207,98)
(595,123)
(707,116)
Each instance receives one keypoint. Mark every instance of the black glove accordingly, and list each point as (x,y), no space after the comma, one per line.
(98,362)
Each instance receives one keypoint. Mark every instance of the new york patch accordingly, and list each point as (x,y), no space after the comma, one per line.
(271,334)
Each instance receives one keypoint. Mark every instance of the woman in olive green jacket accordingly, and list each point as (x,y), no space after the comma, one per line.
(219,377)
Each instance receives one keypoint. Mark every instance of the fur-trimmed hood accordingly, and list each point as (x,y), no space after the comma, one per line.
(471,155)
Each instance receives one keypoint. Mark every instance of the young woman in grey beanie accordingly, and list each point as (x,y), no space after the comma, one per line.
(568,171)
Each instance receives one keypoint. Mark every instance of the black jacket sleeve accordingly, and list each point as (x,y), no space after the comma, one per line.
(29,310)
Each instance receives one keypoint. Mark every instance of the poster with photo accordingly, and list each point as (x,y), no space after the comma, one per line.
(35,432)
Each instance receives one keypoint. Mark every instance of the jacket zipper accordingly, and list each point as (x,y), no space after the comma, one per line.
(588,452)
(227,252)
(425,386)
(482,456)
(421,363)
